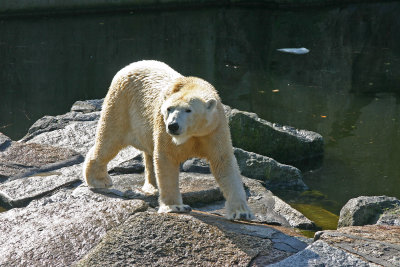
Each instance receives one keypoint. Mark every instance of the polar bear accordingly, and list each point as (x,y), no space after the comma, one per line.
(170,118)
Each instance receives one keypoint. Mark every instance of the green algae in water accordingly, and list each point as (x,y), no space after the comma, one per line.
(313,194)
(315,206)
(322,218)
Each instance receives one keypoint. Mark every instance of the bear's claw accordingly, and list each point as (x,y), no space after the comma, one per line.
(174,209)
(238,210)
(247,216)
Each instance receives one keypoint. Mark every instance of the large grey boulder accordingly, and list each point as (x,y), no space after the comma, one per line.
(59,230)
(282,143)
(367,210)
(274,174)
(189,240)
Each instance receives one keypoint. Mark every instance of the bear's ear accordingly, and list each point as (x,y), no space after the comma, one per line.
(211,104)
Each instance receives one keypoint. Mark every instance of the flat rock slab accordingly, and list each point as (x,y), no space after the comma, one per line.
(321,253)
(21,159)
(52,123)
(202,192)
(77,135)
(59,230)
(20,192)
(186,240)
(267,207)
(195,188)
(75,131)
(378,244)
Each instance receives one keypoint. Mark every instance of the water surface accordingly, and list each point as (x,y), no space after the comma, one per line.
(346,88)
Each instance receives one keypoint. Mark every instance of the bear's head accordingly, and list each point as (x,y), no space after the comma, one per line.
(189,109)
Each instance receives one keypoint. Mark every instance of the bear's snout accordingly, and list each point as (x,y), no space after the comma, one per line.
(173,128)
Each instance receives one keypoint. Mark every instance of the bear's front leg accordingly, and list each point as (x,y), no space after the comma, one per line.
(226,172)
(167,174)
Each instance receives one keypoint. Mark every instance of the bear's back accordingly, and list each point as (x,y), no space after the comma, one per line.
(148,75)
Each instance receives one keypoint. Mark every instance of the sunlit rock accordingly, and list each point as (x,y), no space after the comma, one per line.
(282,143)
(367,210)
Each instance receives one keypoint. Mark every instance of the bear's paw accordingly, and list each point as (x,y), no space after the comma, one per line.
(239,211)
(174,209)
(103,182)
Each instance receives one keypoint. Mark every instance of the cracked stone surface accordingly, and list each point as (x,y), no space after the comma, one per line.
(21,159)
(376,243)
(61,229)
(20,192)
(195,239)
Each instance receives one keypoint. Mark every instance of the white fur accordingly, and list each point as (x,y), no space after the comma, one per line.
(143,99)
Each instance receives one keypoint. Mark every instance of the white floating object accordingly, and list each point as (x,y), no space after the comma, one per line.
(297,51)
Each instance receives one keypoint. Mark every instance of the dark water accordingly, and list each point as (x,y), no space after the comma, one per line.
(346,88)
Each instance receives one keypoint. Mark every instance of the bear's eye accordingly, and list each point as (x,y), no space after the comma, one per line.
(188,110)
(169,109)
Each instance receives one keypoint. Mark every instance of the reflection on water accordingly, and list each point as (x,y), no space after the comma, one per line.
(345,88)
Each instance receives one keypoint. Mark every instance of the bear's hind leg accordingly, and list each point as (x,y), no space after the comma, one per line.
(150,182)
(95,173)
(95,166)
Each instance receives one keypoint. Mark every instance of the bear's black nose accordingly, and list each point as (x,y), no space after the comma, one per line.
(173,127)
